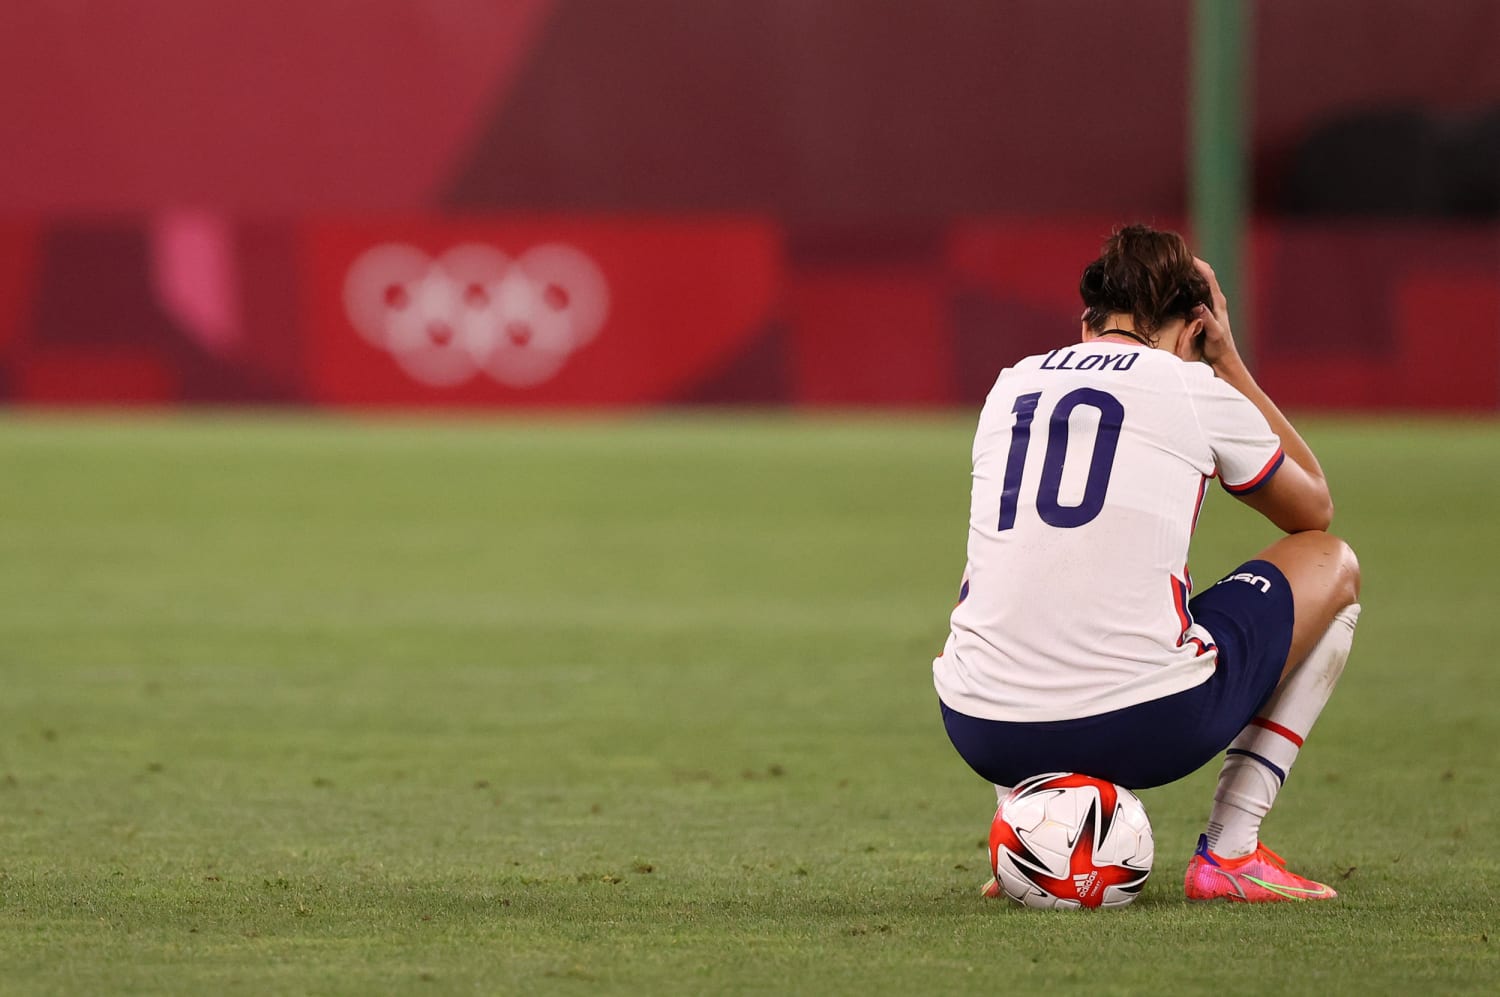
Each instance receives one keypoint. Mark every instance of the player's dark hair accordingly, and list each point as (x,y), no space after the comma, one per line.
(1143,273)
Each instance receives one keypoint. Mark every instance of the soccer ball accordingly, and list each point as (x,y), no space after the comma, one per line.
(1064,840)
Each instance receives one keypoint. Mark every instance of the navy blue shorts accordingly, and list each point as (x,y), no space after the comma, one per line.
(1162,740)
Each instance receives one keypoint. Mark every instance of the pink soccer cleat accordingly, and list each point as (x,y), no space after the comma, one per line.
(1258,878)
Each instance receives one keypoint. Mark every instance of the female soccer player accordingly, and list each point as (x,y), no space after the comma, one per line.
(1075,646)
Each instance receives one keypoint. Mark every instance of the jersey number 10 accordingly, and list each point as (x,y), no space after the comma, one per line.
(1101,463)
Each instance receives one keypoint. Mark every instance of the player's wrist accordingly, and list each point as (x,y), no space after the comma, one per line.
(1231,368)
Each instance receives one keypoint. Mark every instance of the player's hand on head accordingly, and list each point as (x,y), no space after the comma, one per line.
(1215,340)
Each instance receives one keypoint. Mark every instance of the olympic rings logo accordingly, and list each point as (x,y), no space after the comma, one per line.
(474,310)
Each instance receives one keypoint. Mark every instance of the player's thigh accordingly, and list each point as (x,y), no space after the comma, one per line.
(1323,574)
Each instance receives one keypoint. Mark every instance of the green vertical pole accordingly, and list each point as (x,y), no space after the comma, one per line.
(1220,123)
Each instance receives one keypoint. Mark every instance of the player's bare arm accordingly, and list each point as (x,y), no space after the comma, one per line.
(1296,498)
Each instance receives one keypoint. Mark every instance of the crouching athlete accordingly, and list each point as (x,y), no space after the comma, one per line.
(1077,644)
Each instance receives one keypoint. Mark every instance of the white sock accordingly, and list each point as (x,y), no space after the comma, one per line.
(1258,760)
(1001,792)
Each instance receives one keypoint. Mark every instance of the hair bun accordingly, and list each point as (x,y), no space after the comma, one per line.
(1094,279)
(1144,273)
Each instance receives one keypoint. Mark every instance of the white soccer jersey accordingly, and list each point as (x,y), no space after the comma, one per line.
(1090,466)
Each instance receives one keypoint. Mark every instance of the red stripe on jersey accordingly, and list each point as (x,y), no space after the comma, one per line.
(1276,728)
(1259,479)
(1179,603)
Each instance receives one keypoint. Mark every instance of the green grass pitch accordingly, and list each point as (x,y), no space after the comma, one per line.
(577,706)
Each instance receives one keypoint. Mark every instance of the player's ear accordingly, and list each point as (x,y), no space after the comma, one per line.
(1189,347)
(1084,332)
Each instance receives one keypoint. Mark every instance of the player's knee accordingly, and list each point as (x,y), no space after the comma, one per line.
(1353,570)
(1331,560)
(1346,570)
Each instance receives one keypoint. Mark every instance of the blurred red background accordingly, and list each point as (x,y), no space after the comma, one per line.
(848,202)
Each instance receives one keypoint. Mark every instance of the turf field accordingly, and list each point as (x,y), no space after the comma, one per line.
(571,706)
